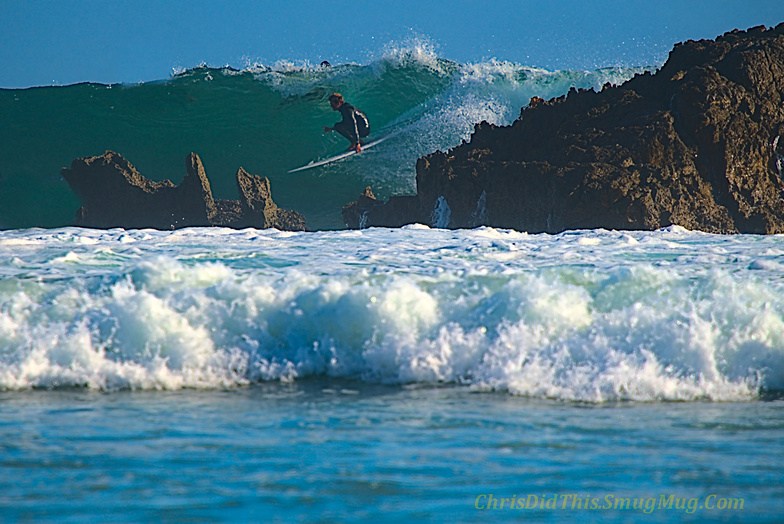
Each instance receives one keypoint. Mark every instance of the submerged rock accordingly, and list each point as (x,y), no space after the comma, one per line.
(114,194)
(698,144)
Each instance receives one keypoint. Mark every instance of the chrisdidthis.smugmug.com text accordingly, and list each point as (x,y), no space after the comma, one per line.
(609,502)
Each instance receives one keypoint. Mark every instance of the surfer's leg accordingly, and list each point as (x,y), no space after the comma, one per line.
(348,132)
(343,129)
(363,133)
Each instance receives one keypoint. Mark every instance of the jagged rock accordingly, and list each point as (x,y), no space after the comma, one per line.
(368,211)
(354,213)
(229,214)
(698,144)
(114,194)
(257,205)
(195,187)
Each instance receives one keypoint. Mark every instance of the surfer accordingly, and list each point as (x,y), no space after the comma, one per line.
(354,125)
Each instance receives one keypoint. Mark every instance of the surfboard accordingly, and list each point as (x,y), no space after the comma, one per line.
(341,156)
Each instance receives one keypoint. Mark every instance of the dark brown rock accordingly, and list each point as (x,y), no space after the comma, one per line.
(355,213)
(368,211)
(114,194)
(195,187)
(698,144)
(258,208)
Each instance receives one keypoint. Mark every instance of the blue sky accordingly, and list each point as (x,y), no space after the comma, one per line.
(45,42)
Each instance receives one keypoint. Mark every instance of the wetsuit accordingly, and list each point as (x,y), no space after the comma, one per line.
(354,124)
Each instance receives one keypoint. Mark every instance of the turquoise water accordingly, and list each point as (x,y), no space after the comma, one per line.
(325,450)
(267,120)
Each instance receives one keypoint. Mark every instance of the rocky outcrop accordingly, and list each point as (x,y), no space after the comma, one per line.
(257,206)
(698,144)
(114,194)
(368,211)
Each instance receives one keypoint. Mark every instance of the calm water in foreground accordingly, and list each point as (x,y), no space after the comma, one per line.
(326,451)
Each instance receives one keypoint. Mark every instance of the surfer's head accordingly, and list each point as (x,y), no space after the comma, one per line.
(335,100)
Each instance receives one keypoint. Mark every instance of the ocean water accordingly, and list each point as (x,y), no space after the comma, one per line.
(267,119)
(211,374)
(413,374)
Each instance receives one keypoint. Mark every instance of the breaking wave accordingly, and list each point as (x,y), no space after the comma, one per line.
(267,119)
(589,316)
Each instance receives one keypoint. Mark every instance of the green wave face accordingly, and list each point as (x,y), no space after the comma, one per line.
(263,119)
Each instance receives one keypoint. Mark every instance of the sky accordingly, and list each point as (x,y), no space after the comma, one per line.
(59,42)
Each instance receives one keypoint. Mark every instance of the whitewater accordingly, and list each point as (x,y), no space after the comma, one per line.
(592,316)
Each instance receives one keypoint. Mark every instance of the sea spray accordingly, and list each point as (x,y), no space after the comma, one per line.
(363,220)
(441,216)
(479,216)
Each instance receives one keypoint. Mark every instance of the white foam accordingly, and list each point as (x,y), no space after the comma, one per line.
(492,309)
